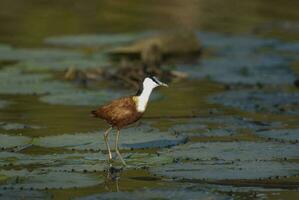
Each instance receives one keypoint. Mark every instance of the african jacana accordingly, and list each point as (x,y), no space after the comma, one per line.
(125,111)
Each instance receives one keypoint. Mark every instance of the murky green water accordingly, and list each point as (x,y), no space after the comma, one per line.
(229,131)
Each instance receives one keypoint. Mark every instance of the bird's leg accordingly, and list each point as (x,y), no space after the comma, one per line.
(116,148)
(106,134)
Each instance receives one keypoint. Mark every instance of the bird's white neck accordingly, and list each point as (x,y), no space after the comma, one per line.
(143,99)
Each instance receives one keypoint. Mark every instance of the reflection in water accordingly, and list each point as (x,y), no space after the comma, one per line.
(112,177)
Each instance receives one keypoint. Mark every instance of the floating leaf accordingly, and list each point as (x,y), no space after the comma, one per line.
(212,170)
(266,69)
(136,137)
(3,103)
(29,83)
(9,141)
(9,53)
(226,126)
(87,62)
(236,122)
(241,59)
(165,194)
(23,194)
(49,179)
(230,151)
(92,40)
(82,98)
(59,162)
(260,101)
(228,43)
(16,126)
(288,135)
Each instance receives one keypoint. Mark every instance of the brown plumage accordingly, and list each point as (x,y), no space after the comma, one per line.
(125,111)
(119,113)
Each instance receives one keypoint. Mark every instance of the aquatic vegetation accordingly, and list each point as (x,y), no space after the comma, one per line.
(16,126)
(242,59)
(83,62)
(59,162)
(231,151)
(260,101)
(82,98)
(9,141)
(22,83)
(287,135)
(226,126)
(3,103)
(263,69)
(229,160)
(48,179)
(165,194)
(236,122)
(9,53)
(131,138)
(223,170)
(24,194)
(99,40)
(228,43)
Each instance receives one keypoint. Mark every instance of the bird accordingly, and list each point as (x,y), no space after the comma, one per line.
(124,111)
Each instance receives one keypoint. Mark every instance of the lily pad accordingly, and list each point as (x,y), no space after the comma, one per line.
(23,194)
(236,122)
(288,135)
(228,42)
(3,103)
(226,126)
(131,138)
(29,83)
(9,141)
(58,161)
(16,126)
(49,179)
(165,194)
(9,53)
(212,170)
(242,59)
(82,98)
(79,162)
(84,62)
(92,40)
(197,130)
(289,47)
(231,151)
(245,69)
(260,101)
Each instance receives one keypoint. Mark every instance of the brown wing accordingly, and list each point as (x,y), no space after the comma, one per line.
(118,112)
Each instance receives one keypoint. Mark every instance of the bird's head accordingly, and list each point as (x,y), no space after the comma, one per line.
(152,82)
